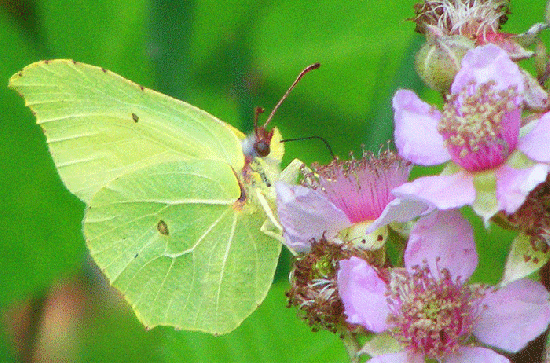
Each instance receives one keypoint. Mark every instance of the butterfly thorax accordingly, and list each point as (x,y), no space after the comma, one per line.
(260,172)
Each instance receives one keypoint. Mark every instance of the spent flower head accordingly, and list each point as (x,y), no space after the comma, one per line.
(533,217)
(313,287)
(461,17)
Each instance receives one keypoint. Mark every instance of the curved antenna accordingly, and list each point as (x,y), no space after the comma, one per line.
(313,137)
(303,73)
(257,111)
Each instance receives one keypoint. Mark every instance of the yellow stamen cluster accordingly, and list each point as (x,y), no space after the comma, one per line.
(473,120)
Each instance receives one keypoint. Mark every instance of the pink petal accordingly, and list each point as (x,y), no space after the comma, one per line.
(401,357)
(513,185)
(416,135)
(514,315)
(444,239)
(536,143)
(305,214)
(400,211)
(363,294)
(488,63)
(534,95)
(476,355)
(442,191)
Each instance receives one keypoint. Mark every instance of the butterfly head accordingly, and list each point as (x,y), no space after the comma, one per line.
(262,142)
(258,144)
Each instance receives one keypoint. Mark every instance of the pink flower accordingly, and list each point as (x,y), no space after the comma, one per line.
(493,163)
(428,307)
(342,194)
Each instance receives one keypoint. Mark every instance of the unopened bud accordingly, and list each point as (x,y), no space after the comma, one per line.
(438,61)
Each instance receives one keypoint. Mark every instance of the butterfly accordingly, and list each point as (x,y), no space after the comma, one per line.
(179,205)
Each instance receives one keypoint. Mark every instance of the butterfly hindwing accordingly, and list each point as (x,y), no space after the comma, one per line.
(173,239)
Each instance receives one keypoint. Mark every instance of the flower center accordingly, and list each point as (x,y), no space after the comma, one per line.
(481,126)
(361,188)
(431,315)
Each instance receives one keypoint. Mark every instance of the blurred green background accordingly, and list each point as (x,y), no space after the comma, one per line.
(225,57)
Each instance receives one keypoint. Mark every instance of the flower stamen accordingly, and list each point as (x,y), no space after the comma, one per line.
(432,315)
(478,125)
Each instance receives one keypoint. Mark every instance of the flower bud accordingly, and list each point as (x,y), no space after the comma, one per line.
(438,61)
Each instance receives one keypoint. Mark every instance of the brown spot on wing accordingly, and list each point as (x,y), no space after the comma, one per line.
(162,227)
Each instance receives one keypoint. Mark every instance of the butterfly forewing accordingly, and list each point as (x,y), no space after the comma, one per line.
(99,125)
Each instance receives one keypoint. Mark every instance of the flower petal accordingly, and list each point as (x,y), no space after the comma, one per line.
(305,214)
(400,211)
(476,355)
(442,191)
(401,357)
(534,95)
(444,239)
(416,135)
(514,315)
(488,63)
(535,144)
(363,294)
(513,185)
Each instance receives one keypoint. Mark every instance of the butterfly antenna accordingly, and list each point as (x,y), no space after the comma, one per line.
(314,137)
(259,110)
(303,73)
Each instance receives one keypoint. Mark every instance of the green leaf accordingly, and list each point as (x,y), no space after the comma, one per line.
(107,32)
(39,242)
(273,333)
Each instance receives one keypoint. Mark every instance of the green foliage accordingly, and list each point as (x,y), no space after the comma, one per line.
(225,58)
(254,340)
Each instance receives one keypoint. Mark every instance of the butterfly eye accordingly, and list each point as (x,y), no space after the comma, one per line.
(262,148)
